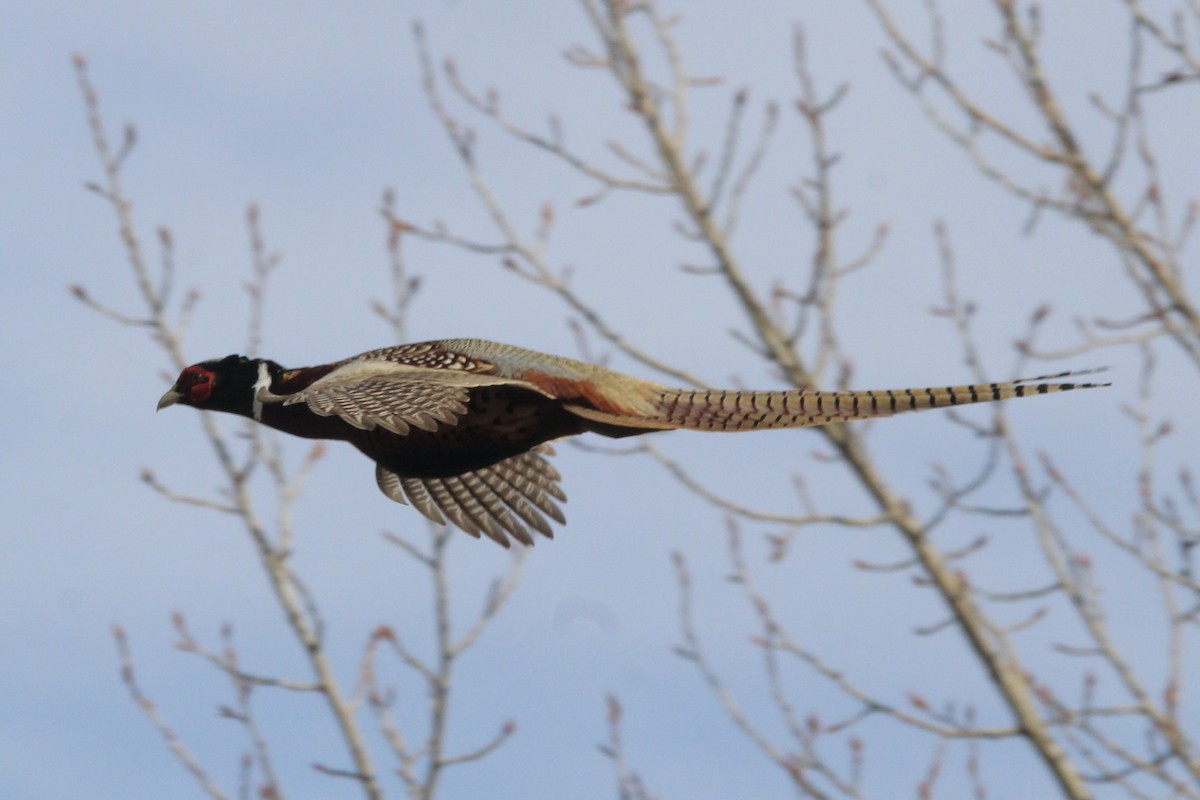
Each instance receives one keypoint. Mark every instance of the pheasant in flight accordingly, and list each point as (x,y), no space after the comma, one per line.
(460,427)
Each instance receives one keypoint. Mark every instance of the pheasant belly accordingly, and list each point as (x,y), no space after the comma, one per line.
(500,422)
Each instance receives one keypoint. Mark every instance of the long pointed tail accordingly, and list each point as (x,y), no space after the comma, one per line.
(716,410)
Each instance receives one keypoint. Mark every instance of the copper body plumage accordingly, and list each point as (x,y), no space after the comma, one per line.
(461,428)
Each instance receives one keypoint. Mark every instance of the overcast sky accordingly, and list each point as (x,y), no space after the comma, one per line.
(312,110)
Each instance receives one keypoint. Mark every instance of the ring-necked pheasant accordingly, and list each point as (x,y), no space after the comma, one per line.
(460,427)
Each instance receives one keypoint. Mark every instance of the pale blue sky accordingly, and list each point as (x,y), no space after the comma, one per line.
(311,110)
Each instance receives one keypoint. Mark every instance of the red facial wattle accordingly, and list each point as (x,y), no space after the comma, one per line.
(198,384)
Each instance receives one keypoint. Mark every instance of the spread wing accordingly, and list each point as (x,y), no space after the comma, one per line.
(396,397)
(498,501)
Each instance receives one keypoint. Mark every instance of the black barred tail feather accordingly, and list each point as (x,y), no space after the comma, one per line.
(718,410)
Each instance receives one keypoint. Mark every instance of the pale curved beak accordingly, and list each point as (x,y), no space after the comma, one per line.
(169,399)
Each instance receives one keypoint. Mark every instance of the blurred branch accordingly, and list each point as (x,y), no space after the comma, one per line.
(1122,201)
(1152,258)
(629,783)
(999,660)
(793,521)
(662,106)
(294,600)
(177,748)
(242,714)
(227,661)
(523,258)
(421,767)
(806,769)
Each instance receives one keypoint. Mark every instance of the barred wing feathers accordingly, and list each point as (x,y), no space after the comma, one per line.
(497,501)
(395,396)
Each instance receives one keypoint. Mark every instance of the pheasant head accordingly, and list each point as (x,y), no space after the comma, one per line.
(228,384)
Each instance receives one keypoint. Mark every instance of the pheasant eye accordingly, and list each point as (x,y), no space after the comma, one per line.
(201,385)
